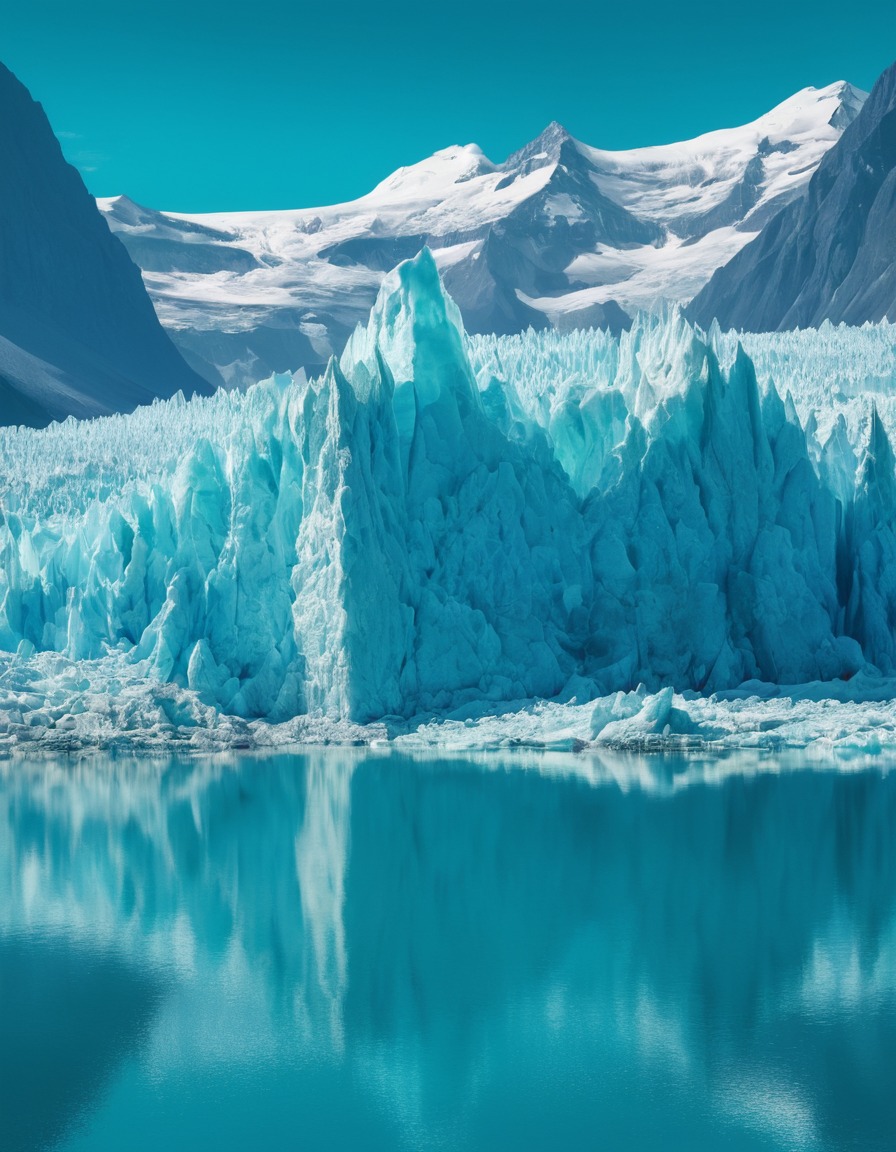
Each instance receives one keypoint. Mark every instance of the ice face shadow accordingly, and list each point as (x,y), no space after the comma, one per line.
(71,1015)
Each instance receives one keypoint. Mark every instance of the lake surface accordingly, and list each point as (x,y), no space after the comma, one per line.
(360,951)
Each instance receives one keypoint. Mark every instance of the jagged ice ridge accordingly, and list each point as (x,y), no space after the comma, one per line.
(441,526)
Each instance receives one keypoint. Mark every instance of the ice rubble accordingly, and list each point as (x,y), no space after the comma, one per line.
(440,527)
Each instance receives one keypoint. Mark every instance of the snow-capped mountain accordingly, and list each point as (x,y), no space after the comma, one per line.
(560,234)
(78,334)
(832,255)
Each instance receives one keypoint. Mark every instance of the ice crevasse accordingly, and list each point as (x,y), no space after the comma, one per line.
(442,522)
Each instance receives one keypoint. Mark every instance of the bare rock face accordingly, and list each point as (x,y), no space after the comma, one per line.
(78,332)
(831,255)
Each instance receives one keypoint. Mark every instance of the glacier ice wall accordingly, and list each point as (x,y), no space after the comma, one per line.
(714,541)
(441,521)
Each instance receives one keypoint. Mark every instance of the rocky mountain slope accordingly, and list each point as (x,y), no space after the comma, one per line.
(78,333)
(832,254)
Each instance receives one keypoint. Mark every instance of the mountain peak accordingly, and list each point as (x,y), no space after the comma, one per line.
(554,132)
(544,150)
(851,101)
(548,236)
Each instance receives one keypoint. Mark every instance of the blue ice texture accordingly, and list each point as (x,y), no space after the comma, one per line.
(441,525)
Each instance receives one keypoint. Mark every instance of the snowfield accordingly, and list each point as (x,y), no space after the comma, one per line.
(548,540)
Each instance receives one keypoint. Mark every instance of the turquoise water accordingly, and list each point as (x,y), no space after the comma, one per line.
(352,951)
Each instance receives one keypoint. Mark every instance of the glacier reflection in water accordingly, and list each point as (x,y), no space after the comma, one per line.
(348,950)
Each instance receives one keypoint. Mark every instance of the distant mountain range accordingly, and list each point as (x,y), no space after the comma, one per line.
(832,253)
(780,223)
(559,234)
(78,333)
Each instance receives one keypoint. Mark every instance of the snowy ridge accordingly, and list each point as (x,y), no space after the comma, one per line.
(559,234)
(830,254)
(685,183)
(442,526)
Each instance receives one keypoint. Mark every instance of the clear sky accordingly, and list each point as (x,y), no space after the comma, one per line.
(199,105)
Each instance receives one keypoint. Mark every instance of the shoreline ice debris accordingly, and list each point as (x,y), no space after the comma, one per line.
(441,527)
(50,705)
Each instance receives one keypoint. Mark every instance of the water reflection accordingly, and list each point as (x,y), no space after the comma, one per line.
(390,953)
(62,1005)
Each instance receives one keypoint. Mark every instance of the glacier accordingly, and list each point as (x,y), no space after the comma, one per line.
(543,538)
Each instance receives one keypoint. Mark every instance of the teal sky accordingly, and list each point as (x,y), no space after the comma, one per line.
(197,106)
